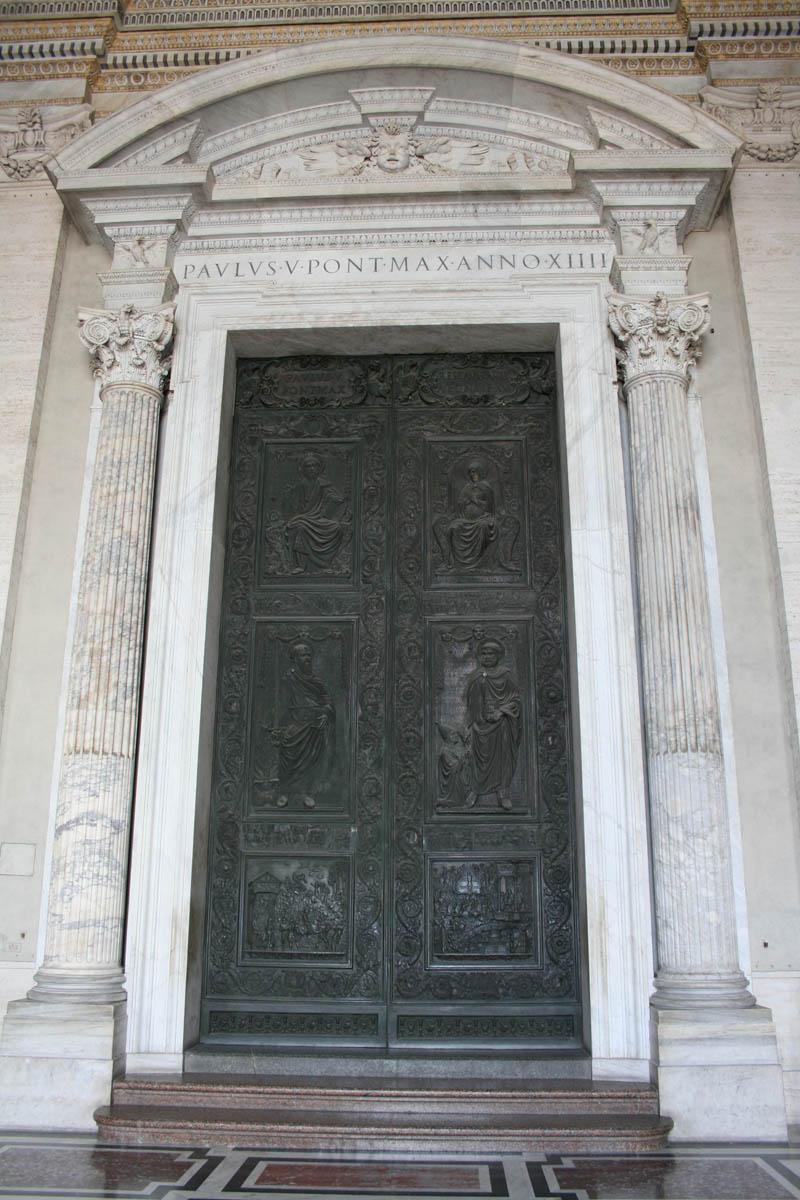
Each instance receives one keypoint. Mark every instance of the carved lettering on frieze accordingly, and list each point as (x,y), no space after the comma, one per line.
(34,134)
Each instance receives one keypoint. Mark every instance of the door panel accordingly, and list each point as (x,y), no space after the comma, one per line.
(392,831)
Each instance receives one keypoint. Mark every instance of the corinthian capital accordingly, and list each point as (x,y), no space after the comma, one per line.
(128,347)
(659,336)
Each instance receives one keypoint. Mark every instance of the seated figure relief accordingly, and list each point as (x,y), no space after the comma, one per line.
(308,536)
(475,525)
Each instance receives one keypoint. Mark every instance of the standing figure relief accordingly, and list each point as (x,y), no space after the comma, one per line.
(309,726)
(478,760)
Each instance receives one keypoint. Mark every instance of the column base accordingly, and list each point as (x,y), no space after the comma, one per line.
(711,990)
(57,1063)
(719,1077)
(78,985)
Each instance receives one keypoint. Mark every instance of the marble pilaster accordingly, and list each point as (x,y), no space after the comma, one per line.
(708,1031)
(72,1025)
(90,850)
(696,935)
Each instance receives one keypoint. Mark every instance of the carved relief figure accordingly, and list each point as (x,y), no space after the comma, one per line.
(479,760)
(317,520)
(482,909)
(466,533)
(310,724)
(494,721)
(297,907)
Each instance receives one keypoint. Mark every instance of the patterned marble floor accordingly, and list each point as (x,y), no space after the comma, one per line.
(74,1165)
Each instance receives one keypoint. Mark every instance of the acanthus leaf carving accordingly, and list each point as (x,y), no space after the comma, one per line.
(658,336)
(128,346)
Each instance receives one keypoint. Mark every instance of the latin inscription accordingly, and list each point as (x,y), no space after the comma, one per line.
(294,268)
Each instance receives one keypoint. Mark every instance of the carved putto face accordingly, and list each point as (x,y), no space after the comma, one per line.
(393,150)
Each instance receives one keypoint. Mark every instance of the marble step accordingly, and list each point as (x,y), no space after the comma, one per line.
(243,1060)
(333,1129)
(373,1095)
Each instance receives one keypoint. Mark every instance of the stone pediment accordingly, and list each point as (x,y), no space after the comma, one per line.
(394,116)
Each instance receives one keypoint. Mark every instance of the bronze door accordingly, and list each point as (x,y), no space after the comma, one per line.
(392,845)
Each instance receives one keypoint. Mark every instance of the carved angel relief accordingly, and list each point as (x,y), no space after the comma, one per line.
(395,146)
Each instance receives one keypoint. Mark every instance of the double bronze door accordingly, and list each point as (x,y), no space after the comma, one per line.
(392,858)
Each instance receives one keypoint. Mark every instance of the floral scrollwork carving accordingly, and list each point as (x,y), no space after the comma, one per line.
(128,346)
(658,336)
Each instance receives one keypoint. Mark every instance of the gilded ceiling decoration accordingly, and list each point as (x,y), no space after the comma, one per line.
(96,51)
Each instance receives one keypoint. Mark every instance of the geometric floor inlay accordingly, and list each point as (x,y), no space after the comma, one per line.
(75,1166)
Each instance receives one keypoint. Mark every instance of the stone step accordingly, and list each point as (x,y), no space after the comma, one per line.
(373,1095)
(243,1060)
(332,1129)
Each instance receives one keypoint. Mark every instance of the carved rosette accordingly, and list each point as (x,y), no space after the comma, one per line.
(90,847)
(693,879)
(659,336)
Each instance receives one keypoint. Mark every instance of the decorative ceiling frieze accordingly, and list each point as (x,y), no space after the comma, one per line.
(116,47)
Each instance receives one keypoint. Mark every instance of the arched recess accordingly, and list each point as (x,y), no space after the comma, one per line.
(292,202)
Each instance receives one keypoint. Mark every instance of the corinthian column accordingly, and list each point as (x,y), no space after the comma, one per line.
(83,950)
(698,963)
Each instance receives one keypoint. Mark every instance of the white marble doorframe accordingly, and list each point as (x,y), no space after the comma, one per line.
(166,912)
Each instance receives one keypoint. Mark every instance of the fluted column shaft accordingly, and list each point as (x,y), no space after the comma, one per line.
(698,962)
(90,850)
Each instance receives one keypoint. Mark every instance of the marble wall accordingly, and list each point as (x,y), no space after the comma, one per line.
(46,573)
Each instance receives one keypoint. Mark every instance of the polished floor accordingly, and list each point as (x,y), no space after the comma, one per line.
(75,1165)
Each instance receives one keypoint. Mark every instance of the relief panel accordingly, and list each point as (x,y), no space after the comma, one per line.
(480,758)
(308,514)
(302,742)
(484,911)
(476,531)
(297,909)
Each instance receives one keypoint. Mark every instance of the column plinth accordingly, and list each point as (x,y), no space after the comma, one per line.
(698,961)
